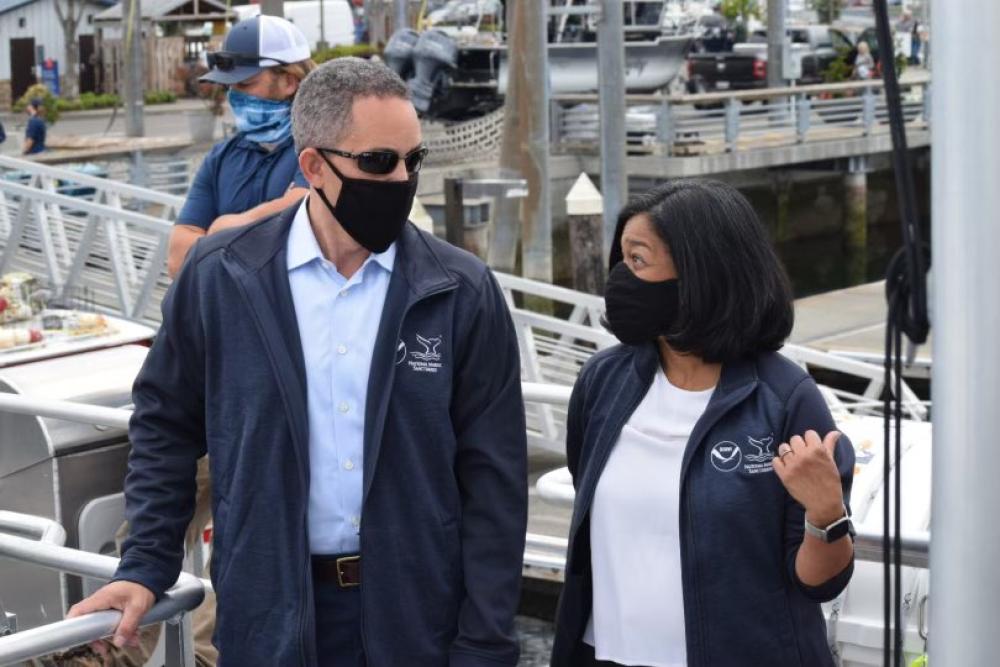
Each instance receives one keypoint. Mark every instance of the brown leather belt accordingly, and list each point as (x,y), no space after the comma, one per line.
(345,571)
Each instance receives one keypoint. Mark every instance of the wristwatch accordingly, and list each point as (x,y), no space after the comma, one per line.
(835,531)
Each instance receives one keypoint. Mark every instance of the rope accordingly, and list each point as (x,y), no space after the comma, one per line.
(906,293)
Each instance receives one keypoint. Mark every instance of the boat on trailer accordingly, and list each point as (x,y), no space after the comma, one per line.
(458,68)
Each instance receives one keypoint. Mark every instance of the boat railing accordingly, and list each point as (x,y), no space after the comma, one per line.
(556,487)
(678,125)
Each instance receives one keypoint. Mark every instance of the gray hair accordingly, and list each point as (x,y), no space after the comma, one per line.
(321,112)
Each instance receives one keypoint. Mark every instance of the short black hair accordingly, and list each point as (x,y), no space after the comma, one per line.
(735,297)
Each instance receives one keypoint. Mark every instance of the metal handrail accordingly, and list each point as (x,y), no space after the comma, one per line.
(37,528)
(752,94)
(124,189)
(83,413)
(185,595)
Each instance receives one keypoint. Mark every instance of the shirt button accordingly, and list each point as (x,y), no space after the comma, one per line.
(345,291)
(341,349)
(344,407)
(348,464)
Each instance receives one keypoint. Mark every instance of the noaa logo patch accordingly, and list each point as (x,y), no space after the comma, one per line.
(726,456)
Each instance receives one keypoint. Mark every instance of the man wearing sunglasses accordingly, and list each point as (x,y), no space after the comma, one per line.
(356,384)
(254,174)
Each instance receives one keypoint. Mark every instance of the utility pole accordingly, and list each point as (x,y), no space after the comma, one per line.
(272,7)
(524,152)
(611,101)
(134,74)
(965,386)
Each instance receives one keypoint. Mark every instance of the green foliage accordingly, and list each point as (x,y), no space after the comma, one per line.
(40,91)
(828,11)
(88,101)
(838,70)
(359,50)
(160,97)
(740,9)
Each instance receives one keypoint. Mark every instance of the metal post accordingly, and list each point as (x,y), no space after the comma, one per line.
(321,43)
(665,129)
(611,86)
(803,113)
(399,15)
(776,10)
(134,74)
(733,106)
(868,99)
(965,170)
(272,7)
(536,244)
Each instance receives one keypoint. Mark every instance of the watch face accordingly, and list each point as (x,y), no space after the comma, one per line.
(838,530)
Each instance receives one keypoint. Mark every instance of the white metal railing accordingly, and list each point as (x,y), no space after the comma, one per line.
(81,232)
(556,343)
(556,487)
(725,122)
(184,596)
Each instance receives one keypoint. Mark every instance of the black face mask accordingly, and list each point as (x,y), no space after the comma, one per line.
(372,212)
(638,311)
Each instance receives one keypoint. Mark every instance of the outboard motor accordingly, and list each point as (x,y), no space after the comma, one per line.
(399,51)
(434,54)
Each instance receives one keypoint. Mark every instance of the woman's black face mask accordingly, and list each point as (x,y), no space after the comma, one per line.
(638,311)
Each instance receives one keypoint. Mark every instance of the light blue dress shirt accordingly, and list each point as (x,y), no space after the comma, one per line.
(338,323)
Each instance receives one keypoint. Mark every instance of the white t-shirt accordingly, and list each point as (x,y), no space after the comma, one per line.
(638,614)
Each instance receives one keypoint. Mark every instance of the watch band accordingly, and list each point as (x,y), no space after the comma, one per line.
(833,532)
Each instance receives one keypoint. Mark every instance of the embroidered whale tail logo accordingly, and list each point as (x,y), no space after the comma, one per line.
(763,447)
(430,345)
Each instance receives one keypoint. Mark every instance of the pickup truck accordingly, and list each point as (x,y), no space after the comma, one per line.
(745,67)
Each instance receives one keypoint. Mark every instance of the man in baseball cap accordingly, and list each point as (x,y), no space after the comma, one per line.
(254,174)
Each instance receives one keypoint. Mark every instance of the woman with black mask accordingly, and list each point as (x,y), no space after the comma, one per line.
(711,514)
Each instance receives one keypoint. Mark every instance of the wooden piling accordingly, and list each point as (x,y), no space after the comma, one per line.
(585,206)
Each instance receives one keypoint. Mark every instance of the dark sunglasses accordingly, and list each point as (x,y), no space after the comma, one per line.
(382,162)
(226,62)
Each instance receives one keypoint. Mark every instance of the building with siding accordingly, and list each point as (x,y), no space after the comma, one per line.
(31,28)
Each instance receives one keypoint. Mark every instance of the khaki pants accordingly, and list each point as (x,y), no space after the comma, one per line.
(202,620)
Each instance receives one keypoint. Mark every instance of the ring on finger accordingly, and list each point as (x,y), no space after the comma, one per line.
(786,452)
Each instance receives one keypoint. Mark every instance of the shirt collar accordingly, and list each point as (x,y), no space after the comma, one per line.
(303,248)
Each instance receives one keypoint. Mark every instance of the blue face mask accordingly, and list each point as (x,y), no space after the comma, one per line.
(263,121)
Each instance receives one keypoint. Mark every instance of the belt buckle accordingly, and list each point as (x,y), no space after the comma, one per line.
(340,572)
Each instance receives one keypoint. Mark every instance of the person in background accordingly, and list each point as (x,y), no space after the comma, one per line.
(711,516)
(34,133)
(864,63)
(254,174)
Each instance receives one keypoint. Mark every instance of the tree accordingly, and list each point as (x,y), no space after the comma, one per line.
(740,12)
(70,18)
(740,9)
(828,11)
